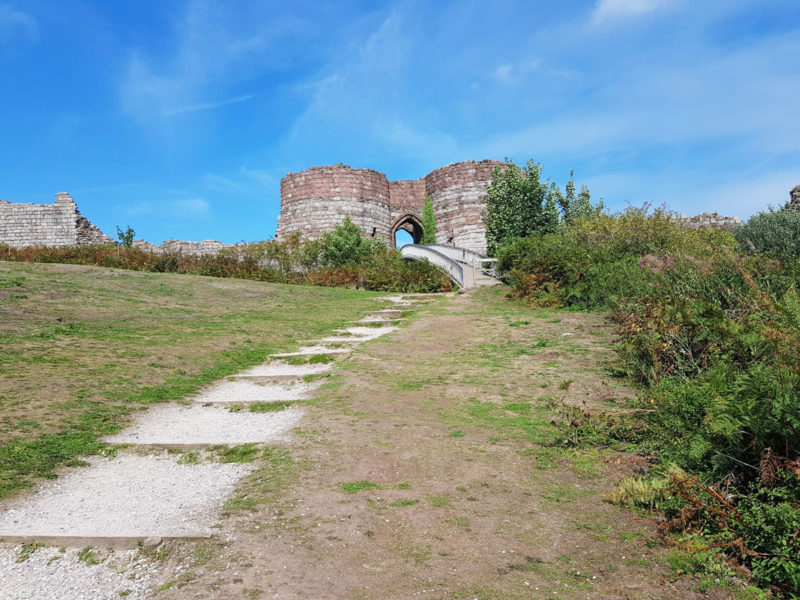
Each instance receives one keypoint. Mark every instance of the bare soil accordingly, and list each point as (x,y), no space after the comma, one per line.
(420,475)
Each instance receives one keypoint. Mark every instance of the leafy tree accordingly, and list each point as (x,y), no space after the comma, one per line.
(345,246)
(125,237)
(428,222)
(577,207)
(518,204)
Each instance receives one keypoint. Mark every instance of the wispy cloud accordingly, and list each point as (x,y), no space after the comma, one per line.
(15,23)
(611,10)
(215,51)
(206,105)
(193,208)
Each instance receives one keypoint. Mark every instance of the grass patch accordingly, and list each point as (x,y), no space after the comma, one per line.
(401,503)
(439,500)
(237,454)
(140,338)
(357,486)
(267,483)
(265,407)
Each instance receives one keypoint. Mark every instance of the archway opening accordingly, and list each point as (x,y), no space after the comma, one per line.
(401,238)
(406,230)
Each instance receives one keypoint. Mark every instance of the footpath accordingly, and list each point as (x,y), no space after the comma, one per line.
(161,482)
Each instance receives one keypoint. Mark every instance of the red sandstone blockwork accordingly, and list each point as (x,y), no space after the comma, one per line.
(316,200)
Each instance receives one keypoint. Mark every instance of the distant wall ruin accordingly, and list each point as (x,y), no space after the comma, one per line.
(57,224)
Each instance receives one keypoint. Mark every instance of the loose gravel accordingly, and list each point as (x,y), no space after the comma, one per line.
(129,496)
(50,574)
(243,390)
(278,368)
(210,425)
(367,333)
(313,350)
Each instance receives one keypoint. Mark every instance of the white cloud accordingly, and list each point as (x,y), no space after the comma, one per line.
(510,73)
(610,10)
(206,105)
(186,209)
(14,22)
(192,208)
(215,49)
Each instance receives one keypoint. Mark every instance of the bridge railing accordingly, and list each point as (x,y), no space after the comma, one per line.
(463,277)
(475,259)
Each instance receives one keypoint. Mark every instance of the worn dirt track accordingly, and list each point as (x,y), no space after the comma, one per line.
(462,510)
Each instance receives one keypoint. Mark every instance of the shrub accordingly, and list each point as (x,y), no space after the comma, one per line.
(345,246)
(774,232)
(713,337)
(289,261)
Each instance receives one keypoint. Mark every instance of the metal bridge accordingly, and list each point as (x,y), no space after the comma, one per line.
(465,267)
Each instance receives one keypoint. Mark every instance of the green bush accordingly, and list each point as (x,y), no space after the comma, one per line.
(345,246)
(714,338)
(774,232)
(341,259)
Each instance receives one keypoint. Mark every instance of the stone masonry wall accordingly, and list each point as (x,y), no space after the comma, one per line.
(317,200)
(58,224)
(458,194)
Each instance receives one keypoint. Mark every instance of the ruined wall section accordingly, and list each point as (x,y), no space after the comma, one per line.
(57,224)
(458,194)
(317,200)
(406,198)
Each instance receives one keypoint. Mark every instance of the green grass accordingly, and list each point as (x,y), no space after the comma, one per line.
(267,484)
(88,346)
(402,503)
(262,407)
(439,500)
(357,486)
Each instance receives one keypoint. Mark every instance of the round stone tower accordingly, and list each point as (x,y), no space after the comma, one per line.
(317,200)
(458,194)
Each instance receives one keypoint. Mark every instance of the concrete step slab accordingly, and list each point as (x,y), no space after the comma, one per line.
(246,390)
(313,350)
(279,368)
(128,498)
(198,426)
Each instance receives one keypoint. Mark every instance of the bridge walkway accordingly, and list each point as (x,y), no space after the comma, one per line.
(467,268)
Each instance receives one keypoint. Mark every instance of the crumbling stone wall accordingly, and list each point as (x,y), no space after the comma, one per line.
(316,200)
(794,196)
(58,224)
(206,247)
(706,219)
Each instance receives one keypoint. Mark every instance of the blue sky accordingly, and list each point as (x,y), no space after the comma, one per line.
(180,117)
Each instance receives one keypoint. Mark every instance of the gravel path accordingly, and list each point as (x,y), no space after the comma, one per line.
(279,368)
(208,425)
(129,496)
(242,390)
(50,574)
(135,496)
(311,350)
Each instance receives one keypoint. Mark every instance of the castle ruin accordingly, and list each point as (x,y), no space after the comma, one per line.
(57,224)
(317,200)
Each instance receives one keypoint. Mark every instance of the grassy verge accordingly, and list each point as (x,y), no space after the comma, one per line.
(83,347)
(711,333)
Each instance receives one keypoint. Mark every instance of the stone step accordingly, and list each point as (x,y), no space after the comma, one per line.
(175,426)
(244,390)
(124,500)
